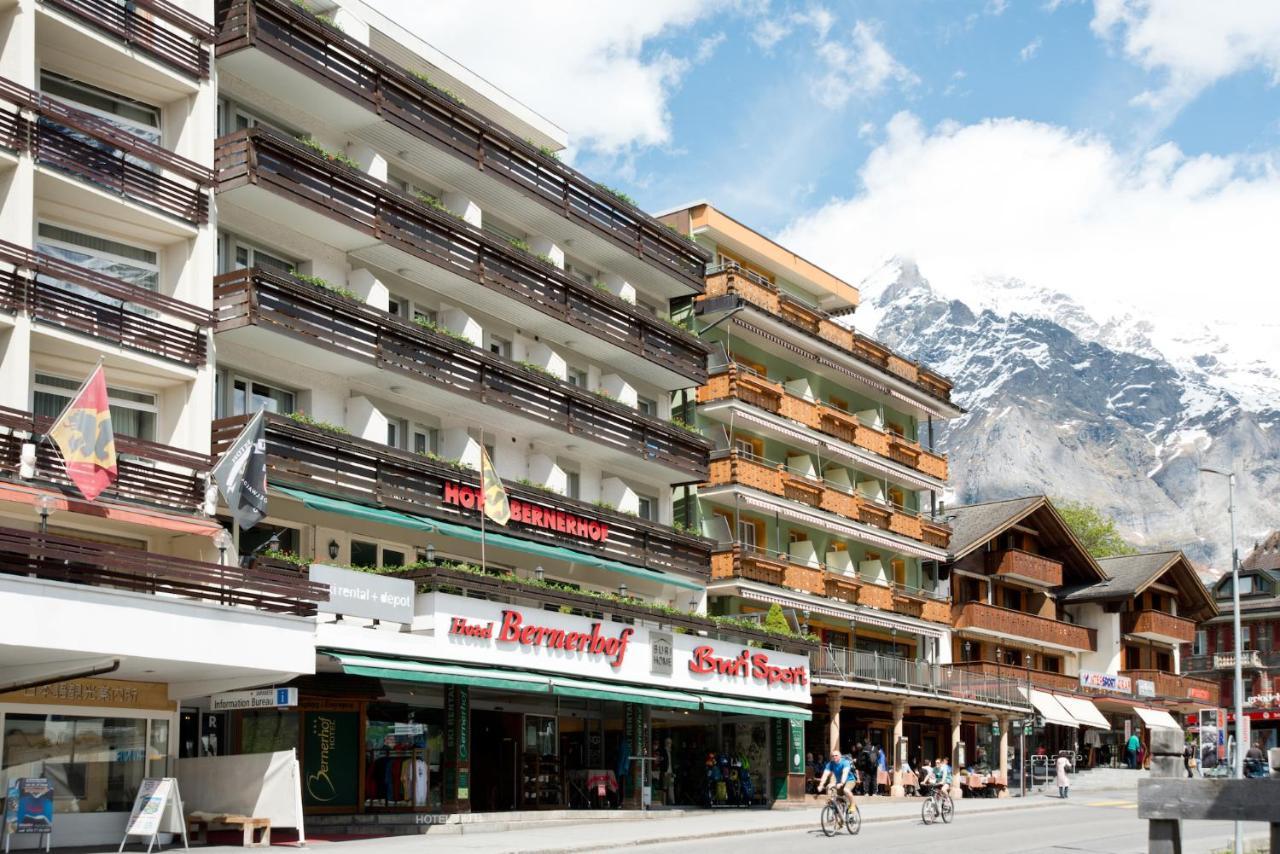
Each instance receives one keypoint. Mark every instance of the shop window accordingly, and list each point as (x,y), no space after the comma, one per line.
(403,751)
(133,413)
(540,735)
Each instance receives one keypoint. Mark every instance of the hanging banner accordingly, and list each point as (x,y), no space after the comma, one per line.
(330,755)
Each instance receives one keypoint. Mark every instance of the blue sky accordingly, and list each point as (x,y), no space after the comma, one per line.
(1121,151)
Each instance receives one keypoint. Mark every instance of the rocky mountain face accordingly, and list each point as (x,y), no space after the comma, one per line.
(1097,411)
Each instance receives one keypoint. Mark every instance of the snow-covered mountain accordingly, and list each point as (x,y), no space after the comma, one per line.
(1109,411)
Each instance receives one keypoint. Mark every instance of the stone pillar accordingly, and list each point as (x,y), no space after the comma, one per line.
(896,788)
(956,791)
(1004,755)
(457,749)
(833,731)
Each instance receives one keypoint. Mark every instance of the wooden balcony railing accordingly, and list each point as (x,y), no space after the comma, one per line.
(736,382)
(147,472)
(1158,623)
(58,557)
(359,74)
(1019,624)
(1174,687)
(1016,563)
(282,165)
(49,289)
(316,460)
(758,565)
(1020,675)
(161,30)
(353,329)
(94,151)
(731,279)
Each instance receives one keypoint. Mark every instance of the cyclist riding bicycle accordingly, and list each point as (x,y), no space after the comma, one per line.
(840,771)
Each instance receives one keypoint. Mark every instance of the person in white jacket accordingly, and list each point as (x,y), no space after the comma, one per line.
(1062,764)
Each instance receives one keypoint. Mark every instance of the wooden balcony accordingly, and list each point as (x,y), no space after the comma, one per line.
(838,423)
(871,513)
(310,458)
(98,153)
(148,473)
(802,489)
(1157,625)
(58,557)
(1020,675)
(766,568)
(165,32)
(731,279)
(1025,566)
(1174,687)
(935,533)
(281,165)
(50,291)
(322,318)
(734,467)
(842,587)
(353,71)
(1018,624)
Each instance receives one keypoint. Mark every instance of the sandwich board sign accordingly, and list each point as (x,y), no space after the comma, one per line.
(28,808)
(157,809)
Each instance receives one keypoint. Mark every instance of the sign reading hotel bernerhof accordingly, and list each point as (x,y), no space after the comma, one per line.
(262,698)
(364,594)
(660,653)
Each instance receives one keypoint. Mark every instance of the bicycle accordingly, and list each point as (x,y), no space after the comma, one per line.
(938,805)
(836,814)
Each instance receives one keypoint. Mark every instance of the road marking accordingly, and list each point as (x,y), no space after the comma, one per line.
(1126,805)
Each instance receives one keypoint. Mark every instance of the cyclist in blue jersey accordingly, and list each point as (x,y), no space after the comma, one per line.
(840,771)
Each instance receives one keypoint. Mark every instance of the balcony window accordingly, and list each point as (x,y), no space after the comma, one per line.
(1132,658)
(1164,662)
(426,440)
(131,263)
(572,484)
(133,413)
(647,508)
(132,116)
(243,255)
(1011,598)
(576,378)
(645,406)
(395,429)
(747,531)
(248,396)
(1051,663)
(500,347)
(374,554)
(1200,645)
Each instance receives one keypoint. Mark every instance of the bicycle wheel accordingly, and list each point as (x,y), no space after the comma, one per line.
(928,812)
(852,820)
(947,808)
(830,819)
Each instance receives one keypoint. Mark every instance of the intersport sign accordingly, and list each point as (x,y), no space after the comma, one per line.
(475,631)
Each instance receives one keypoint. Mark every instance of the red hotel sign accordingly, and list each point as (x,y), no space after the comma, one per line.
(704,660)
(515,630)
(533,515)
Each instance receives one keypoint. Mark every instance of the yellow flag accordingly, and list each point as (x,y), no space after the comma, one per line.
(495,496)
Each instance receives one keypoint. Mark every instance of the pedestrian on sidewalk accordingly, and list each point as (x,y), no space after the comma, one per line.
(881,768)
(1131,751)
(1062,764)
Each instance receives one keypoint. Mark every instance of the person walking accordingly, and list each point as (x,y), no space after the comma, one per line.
(881,769)
(1062,764)
(1131,751)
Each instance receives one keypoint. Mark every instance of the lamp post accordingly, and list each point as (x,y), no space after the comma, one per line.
(1238,764)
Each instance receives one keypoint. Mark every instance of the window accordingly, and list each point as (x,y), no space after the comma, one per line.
(1011,598)
(751,449)
(1051,663)
(576,377)
(647,508)
(136,265)
(410,310)
(135,117)
(133,413)
(395,429)
(1132,658)
(899,572)
(1200,645)
(372,554)
(1246,637)
(426,440)
(1163,662)
(246,255)
(645,406)
(747,533)
(248,396)
(572,484)
(499,346)
(1246,584)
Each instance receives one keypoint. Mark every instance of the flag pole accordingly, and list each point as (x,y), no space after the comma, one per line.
(484,567)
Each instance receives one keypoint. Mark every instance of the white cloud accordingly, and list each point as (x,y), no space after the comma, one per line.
(769,31)
(587,66)
(1029,51)
(1174,236)
(1193,42)
(996,7)
(707,47)
(858,67)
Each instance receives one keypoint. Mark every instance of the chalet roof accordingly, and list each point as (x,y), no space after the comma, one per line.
(1129,575)
(973,525)
(1265,555)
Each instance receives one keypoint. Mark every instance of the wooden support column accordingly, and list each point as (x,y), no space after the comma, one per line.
(896,788)
(1004,755)
(833,729)
(956,791)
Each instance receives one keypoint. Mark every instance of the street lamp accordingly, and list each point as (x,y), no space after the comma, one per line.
(1235,627)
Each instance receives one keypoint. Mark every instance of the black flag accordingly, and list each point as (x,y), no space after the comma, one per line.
(241,474)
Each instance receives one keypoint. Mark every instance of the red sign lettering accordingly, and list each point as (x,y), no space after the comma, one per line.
(515,630)
(746,665)
(560,521)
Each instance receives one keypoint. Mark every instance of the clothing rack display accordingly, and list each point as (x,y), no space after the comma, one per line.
(398,777)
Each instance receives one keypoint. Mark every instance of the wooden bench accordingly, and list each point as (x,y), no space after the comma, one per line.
(198,828)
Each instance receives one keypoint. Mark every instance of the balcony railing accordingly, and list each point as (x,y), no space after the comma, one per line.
(1174,687)
(940,680)
(351,328)
(731,279)
(752,563)
(282,165)
(161,30)
(734,467)
(1227,660)
(1045,679)
(147,472)
(355,72)
(1159,624)
(94,151)
(739,383)
(1016,563)
(317,460)
(63,558)
(51,291)
(1019,624)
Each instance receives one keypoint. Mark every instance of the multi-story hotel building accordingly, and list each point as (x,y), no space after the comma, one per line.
(823,492)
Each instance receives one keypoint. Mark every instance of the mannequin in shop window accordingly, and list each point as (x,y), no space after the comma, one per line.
(666,766)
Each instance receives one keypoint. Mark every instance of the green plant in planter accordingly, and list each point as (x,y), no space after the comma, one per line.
(536,368)
(517,243)
(333,156)
(443,330)
(618,194)
(683,425)
(304,418)
(604,505)
(324,283)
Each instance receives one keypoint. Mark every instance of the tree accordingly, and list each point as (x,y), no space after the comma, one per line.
(1096,531)
(774,621)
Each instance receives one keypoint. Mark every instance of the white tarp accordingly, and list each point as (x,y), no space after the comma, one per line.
(1156,718)
(1050,709)
(260,785)
(1083,711)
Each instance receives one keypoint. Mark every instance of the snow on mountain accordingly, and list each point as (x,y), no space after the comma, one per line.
(1108,410)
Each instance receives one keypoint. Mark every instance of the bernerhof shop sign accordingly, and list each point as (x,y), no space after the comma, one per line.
(481,632)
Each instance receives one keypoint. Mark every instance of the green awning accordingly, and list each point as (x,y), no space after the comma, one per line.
(472,535)
(440,674)
(748,707)
(622,693)
(358,511)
